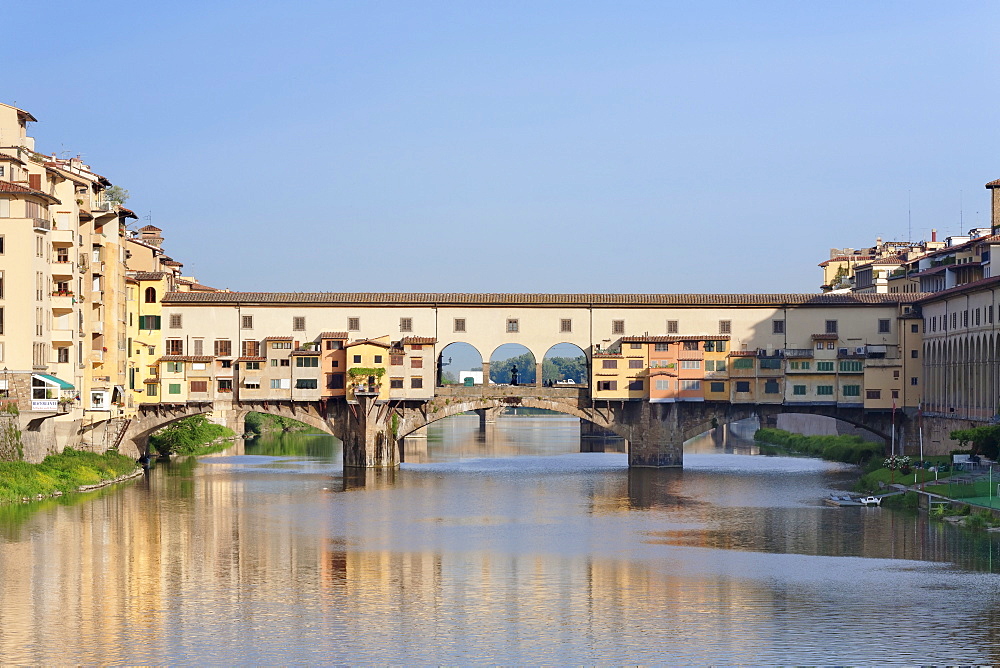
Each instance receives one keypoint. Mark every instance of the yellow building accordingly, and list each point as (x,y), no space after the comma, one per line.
(367,366)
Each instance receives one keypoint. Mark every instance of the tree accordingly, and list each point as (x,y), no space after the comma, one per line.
(116,195)
(985,440)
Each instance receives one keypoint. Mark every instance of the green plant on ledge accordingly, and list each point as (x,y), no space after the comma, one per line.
(364,372)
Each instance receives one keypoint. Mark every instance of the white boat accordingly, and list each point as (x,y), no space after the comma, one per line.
(870,501)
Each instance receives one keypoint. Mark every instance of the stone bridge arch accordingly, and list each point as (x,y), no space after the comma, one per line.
(412,419)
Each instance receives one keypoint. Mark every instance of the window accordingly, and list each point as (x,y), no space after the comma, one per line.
(396,360)
(716,387)
(609,364)
(199,386)
(353,324)
(743,363)
(284,362)
(150,295)
(175,321)
(770,364)
(672,327)
(663,385)
(175,367)
(416,362)
(62,355)
(149,322)
(175,346)
(607,385)
(416,383)
(251,366)
(830,345)
(378,359)
(852,390)
(690,364)
(251,384)
(895,394)
(636,385)
(690,345)
(565,325)
(954,320)
(635,346)
(661,347)
(793,365)
(831,326)
(298,324)
(636,364)
(720,346)
(406,324)
(306,384)
(335,381)
(824,390)
(895,375)
(225,385)
(251,349)
(617,326)
(334,363)
(777,326)
(806,365)
(395,383)
(725,327)
(915,328)
(307,361)
(743,386)
(873,394)
(965,318)
(226,364)
(824,366)
(357,359)
(417,346)
(174,388)
(771,387)
(281,383)
(459,324)
(690,385)
(246,322)
(819,345)
(198,346)
(913,354)
(512,325)
(884,326)
(151,389)
(799,390)
(281,345)
(333,345)
(913,381)
(223,348)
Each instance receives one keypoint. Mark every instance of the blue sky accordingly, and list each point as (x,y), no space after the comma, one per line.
(516,146)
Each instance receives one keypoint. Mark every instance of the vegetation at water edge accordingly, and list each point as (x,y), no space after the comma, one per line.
(64,472)
(848,449)
(262,423)
(189,436)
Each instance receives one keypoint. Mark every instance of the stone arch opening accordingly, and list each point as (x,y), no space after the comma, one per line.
(565,364)
(512,364)
(457,362)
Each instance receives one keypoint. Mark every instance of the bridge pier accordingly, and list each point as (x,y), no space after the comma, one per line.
(365,428)
(488,416)
(656,437)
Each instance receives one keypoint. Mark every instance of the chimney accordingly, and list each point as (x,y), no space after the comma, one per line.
(933,235)
(994,188)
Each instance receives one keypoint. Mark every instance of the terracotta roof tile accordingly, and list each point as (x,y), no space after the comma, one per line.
(846,258)
(674,338)
(250,359)
(927,297)
(418,340)
(10,158)
(742,353)
(277,338)
(825,337)
(334,335)
(531,299)
(147,275)
(993,184)
(150,228)
(303,351)
(381,344)
(17,189)
(186,358)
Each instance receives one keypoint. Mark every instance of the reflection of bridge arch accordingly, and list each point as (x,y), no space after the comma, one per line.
(412,423)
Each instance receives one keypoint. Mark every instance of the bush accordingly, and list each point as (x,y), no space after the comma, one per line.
(848,449)
(188,436)
(64,472)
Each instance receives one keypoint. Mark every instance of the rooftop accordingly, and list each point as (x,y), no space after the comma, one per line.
(538,299)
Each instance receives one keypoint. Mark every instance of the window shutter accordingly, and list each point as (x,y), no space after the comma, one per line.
(35,181)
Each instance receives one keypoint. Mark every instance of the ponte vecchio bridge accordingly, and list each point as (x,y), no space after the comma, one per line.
(660,368)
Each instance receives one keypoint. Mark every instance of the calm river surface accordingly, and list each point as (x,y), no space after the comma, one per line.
(506,547)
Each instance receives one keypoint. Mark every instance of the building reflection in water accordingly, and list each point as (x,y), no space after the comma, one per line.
(475,554)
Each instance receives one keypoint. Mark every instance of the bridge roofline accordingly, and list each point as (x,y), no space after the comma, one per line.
(537,299)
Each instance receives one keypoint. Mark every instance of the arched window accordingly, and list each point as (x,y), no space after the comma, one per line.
(150,295)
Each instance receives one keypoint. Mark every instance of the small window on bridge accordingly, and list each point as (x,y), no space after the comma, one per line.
(395,383)
(831,326)
(609,364)
(353,324)
(799,390)
(884,326)
(725,326)
(717,387)
(672,327)
(459,324)
(406,324)
(636,364)
(617,326)
(299,324)
(771,387)
(873,394)
(416,362)
(565,325)
(246,322)
(512,325)
(743,386)
(777,326)
(416,383)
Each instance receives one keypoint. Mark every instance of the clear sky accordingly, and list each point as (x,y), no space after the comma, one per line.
(520,146)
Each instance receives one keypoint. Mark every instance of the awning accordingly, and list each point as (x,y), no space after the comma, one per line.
(251,381)
(119,390)
(52,380)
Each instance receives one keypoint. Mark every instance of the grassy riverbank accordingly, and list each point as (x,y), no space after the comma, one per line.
(65,472)
(847,449)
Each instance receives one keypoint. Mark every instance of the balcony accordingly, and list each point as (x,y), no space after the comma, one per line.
(102,206)
(41,224)
(66,237)
(97,356)
(62,268)
(97,327)
(97,296)
(797,353)
(63,336)
(62,299)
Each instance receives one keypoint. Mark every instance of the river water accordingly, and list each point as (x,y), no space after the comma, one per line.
(509,546)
